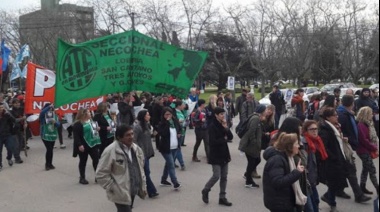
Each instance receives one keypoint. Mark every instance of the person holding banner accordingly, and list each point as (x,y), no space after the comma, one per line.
(107,126)
(86,142)
(49,132)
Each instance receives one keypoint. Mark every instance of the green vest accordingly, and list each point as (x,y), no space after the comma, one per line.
(91,139)
(50,132)
(111,123)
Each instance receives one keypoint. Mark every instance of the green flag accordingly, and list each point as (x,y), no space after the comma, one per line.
(124,62)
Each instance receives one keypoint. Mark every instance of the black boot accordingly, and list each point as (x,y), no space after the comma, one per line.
(205,196)
(362,198)
(364,189)
(224,201)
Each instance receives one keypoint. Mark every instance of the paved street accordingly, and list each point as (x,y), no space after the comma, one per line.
(29,188)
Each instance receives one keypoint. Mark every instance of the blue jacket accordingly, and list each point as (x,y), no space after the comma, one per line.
(348,126)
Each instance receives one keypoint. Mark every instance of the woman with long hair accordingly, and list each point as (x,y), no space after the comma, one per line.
(268,126)
(335,169)
(86,142)
(180,115)
(106,124)
(282,192)
(170,131)
(316,153)
(367,148)
(212,104)
(143,138)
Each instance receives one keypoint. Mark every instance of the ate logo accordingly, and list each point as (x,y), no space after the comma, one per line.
(78,68)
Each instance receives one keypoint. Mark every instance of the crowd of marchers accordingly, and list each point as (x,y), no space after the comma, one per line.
(304,145)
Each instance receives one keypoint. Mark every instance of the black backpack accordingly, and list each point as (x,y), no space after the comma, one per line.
(242,127)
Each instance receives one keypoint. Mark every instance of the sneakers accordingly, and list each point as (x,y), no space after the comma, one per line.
(224,201)
(83,181)
(62,146)
(205,196)
(177,186)
(165,183)
(362,198)
(253,185)
(10,162)
(183,168)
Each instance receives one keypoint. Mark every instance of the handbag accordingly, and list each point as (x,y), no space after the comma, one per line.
(374,155)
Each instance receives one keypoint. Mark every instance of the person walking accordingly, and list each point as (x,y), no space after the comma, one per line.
(6,138)
(299,104)
(143,138)
(316,153)
(282,192)
(367,149)
(201,130)
(277,99)
(107,126)
(86,142)
(49,133)
(240,100)
(220,156)
(250,144)
(349,129)
(335,170)
(179,114)
(170,131)
(121,170)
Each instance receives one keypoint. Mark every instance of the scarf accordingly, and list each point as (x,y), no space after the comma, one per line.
(316,144)
(171,122)
(372,132)
(300,197)
(338,136)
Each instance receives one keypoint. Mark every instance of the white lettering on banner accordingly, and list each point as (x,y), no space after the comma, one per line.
(44,79)
(38,105)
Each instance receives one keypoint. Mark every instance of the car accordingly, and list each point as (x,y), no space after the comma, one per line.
(329,88)
(266,101)
(374,86)
(309,91)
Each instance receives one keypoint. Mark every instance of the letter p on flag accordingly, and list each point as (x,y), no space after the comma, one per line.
(45,79)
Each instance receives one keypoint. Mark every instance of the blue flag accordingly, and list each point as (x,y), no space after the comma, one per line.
(17,65)
(5,52)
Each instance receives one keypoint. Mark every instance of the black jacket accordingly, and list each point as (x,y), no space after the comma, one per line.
(7,122)
(219,151)
(277,99)
(126,114)
(164,131)
(103,124)
(78,135)
(349,129)
(335,168)
(278,180)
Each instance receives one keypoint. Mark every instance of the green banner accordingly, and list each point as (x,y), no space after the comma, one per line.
(124,62)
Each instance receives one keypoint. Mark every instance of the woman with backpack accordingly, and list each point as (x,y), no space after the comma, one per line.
(250,144)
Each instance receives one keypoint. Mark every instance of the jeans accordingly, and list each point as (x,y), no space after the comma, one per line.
(49,152)
(199,136)
(123,208)
(219,172)
(169,169)
(8,142)
(312,204)
(277,119)
(251,166)
(179,153)
(331,196)
(149,183)
(18,143)
(83,156)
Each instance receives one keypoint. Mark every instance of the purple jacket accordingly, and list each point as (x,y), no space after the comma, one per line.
(365,145)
